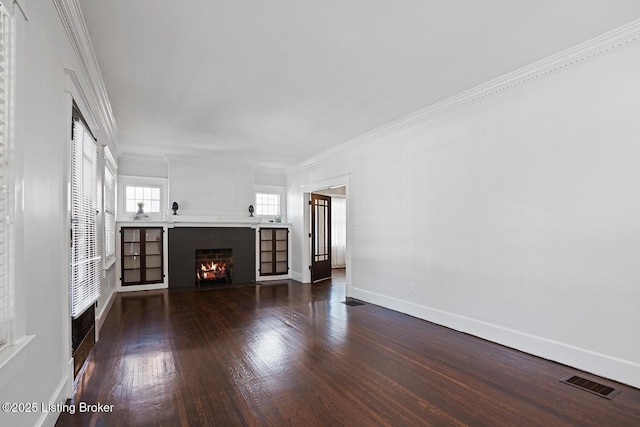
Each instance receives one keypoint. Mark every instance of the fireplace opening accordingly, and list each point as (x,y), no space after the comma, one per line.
(213,266)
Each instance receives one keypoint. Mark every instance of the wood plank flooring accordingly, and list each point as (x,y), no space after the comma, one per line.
(289,354)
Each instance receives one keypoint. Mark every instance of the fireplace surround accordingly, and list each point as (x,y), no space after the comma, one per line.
(184,241)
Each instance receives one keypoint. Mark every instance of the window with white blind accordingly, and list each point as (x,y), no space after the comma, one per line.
(85,257)
(6,304)
(109,204)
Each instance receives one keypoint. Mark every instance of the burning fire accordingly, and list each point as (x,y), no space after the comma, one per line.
(212,270)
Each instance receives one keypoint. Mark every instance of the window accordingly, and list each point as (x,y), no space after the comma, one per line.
(85,257)
(338,231)
(151,191)
(6,317)
(109,208)
(149,196)
(267,204)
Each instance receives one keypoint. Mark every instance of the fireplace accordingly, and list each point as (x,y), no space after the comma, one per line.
(213,266)
(184,241)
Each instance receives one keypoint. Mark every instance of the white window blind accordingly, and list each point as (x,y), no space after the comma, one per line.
(109,206)
(85,254)
(5,291)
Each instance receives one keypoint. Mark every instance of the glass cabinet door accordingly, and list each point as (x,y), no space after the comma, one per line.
(274,251)
(142,255)
(153,255)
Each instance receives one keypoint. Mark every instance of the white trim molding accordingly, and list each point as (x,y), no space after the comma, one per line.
(59,396)
(102,314)
(607,43)
(74,87)
(75,26)
(16,5)
(603,365)
(13,359)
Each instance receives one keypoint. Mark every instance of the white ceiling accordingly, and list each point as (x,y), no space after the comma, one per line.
(272,83)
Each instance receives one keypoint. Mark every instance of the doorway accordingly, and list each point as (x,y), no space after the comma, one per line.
(328,228)
(320,237)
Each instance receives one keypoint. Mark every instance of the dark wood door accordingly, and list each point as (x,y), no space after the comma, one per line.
(320,237)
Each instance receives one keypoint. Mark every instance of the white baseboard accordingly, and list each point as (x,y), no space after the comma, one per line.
(296,276)
(603,365)
(102,315)
(60,395)
(134,288)
(268,278)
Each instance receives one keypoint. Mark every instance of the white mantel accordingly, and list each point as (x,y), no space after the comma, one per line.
(206,221)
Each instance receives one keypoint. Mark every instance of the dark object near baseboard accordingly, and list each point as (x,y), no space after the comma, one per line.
(352,302)
(591,386)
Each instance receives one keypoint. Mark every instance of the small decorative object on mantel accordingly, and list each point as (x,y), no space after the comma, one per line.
(140,214)
(250,210)
(174,208)
(278,218)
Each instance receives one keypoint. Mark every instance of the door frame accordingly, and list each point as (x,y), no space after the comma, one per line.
(339,181)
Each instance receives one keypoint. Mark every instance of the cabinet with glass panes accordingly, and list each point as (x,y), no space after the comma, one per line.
(142,255)
(274,251)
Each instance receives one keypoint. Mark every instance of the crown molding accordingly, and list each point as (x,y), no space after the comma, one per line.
(76,28)
(612,41)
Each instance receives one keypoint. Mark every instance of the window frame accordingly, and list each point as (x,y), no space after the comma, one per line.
(7,295)
(125,181)
(271,190)
(85,252)
(147,202)
(109,215)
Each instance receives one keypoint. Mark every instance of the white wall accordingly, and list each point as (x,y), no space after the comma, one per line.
(146,167)
(210,189)
(270,177)
(515,218)
(203,188)
(223,191)
(41,371)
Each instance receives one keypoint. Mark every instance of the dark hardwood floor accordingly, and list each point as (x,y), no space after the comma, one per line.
(292,354)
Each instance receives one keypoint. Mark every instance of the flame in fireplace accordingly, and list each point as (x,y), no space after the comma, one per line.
(212,270)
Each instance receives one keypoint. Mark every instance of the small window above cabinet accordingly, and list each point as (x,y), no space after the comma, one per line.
(142,257)
(274,251)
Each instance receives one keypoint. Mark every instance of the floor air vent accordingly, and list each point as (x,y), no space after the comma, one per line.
(591,386)
(353,302)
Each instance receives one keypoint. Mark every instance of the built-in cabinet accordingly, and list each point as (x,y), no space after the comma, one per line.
(142,255)
(274,251)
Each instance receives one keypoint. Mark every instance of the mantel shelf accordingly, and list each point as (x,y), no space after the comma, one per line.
(206,221)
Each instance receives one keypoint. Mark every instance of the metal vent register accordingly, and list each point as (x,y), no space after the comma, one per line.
(591,386)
